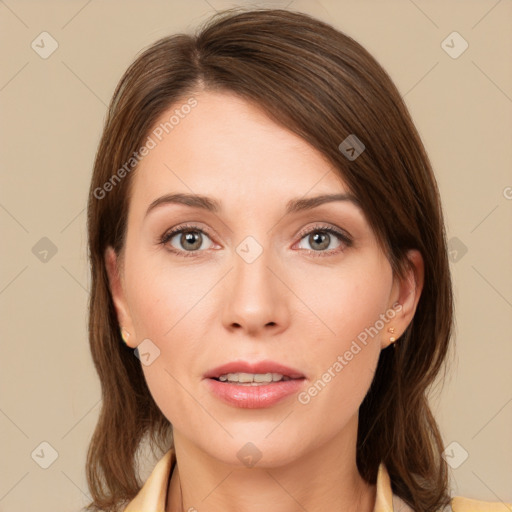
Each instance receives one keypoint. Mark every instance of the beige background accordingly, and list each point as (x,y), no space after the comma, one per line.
(52,112)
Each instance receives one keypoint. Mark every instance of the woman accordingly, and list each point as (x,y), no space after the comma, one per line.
(283,359)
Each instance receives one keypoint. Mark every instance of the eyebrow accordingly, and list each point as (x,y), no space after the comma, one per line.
(212,205)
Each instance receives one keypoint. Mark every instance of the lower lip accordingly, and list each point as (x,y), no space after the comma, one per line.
(254,397)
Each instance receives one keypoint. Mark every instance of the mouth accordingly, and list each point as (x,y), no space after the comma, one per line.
(259,373)
(252,379)
(254,385)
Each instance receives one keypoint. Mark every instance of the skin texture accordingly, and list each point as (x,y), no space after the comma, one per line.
(288,306)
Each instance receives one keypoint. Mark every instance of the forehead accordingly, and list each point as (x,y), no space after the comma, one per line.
(228,148)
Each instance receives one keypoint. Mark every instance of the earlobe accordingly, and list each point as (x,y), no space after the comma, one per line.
(118,297)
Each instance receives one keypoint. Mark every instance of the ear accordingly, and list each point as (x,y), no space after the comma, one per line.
(405,297)
(116,289)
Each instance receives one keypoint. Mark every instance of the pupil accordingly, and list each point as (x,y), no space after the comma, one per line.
(189,238)
(323,236)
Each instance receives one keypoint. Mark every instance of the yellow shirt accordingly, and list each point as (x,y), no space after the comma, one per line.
(152,497)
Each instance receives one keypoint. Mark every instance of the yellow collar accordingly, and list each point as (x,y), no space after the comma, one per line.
(152,497)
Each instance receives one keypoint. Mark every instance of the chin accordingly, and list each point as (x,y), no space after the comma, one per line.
(255,451)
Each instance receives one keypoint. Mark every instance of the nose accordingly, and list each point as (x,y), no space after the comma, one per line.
(256,300)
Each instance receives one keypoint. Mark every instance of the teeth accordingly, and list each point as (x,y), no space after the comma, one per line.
(252,378)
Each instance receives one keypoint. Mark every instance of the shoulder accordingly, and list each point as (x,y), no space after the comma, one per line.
(387,501)
(461,504)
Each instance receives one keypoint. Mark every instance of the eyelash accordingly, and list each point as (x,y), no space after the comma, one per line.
(345,239)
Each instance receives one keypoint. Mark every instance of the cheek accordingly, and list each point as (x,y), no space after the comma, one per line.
(166,309)
(163,299)
(350,309)
(345,301)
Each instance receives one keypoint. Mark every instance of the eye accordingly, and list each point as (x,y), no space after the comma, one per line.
(321,237)
(189,238)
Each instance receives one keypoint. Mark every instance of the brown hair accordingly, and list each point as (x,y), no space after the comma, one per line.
(322,85)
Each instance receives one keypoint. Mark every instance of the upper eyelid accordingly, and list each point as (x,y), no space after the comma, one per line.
(185,227)
(324,226)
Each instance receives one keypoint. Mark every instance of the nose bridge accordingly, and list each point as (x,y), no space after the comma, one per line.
(255,297)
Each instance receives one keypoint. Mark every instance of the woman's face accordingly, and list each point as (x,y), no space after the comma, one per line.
(256,280)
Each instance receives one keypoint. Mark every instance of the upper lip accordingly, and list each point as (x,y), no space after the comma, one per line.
(254,367)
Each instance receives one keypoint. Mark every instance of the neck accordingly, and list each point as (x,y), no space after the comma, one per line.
(324,478)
